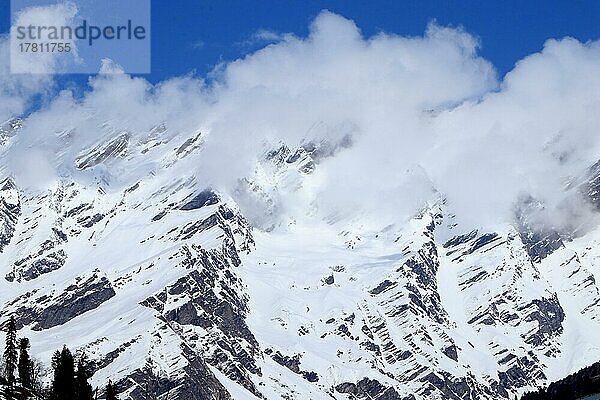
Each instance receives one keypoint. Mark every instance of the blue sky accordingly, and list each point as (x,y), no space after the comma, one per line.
(193,36)
(333,87)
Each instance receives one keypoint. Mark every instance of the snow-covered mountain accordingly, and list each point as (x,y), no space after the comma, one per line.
(174,293)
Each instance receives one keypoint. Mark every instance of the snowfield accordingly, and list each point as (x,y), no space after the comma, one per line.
(167,287)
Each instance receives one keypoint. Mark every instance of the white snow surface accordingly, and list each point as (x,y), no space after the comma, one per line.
(340,295)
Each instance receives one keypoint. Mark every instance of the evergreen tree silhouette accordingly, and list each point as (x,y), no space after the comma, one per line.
(82,387)
(578,385)
(111,394)
(63,383)
(10,352)
(25,366)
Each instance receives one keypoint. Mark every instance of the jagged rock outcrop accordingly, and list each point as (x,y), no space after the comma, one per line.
(57,308)
(10,209)
(208,298)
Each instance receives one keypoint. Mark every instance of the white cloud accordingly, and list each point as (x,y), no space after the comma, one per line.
(423,112)
(266,35)
(25,77)
(41,62)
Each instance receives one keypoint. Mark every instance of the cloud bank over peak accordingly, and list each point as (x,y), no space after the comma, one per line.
(426,115)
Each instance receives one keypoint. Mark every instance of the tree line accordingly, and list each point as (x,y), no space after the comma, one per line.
(583,383)
(21,374)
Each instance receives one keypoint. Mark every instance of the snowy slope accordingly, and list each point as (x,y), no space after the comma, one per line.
(173,294)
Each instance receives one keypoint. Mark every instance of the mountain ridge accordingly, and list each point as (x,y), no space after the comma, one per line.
(167,287)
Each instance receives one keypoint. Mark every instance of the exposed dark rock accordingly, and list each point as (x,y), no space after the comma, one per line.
(369,389)
(196,382)
(116,147)
(204,198)
(451,352)
(350,318)
(49,311)
(591,187)
(480,276)
(382,286)
(539,239)
(9,213)
(47,259)
(547,312)
(291,363)
(191,229)
(521,373)
(78,210)
(343,330)
(132,188)
(10,128)
(483,240)
(549,316)
(159,216)
(295,156)
(448,387)
(368,345)
(50,262)
(62,237)
(461,239)
(346,387)
(188,145)
(96,365)
(476,242)
(213,302)
(310,376)
(90,220)
(278,155)
(422,287)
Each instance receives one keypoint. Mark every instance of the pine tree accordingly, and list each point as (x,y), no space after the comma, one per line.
(10,352)
(57,374)
(25,365)
(111,394)
(83,388)
(63,383)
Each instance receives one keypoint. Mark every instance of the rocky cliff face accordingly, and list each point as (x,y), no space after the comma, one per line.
(173,294)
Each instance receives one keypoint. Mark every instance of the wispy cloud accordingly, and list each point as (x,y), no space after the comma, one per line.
(264,36)
(198,44)
(268,36)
